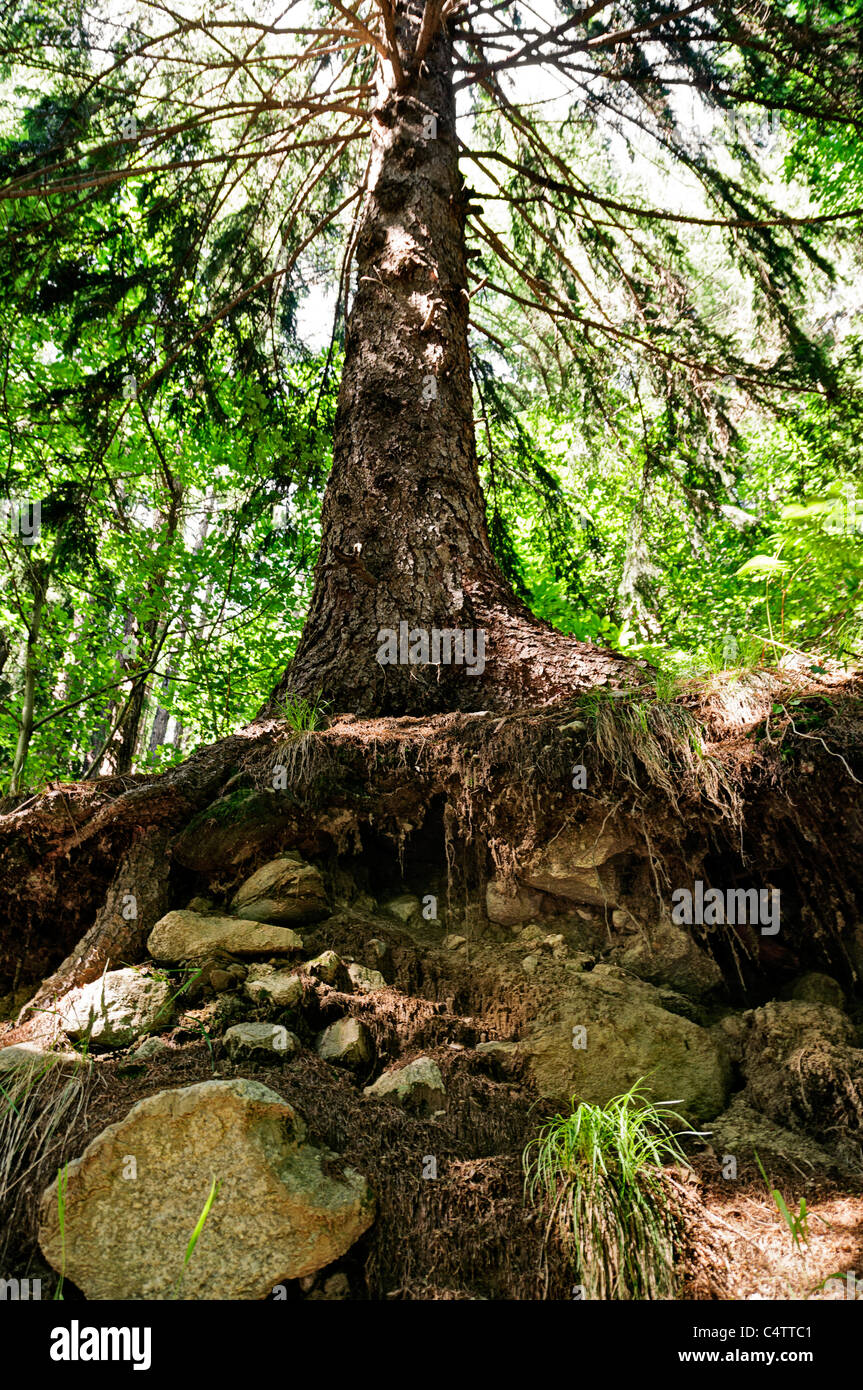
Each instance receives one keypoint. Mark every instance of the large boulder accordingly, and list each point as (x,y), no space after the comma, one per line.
(117,1008)
(741,1132)
(287,890)
(628,1035)
(185,936)
(283,1209)
(231,830)
(578,862)
(802,1068)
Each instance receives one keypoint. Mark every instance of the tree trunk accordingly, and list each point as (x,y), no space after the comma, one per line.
(28,708)
(404,537)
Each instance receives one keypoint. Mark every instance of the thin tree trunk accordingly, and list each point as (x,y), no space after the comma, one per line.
(404,535)
(25,728)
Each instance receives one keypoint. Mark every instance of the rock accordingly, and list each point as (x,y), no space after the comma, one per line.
(510,908)
(331,970)
(802,1069)
(347,1043)
(231,831)
(557,945)
(380,953)
(148,1049)
(184,935)
(529,964)
(418,1085)
(665,954)
(283,1209)
(497,1048)
(628,1036)
(221,980)
(741,1132)
(575,863)
(30,1057)
(199,904)
(117,1008)
(278,987)
(454,942)
(405,908)
(815,988)
(287,890)
(261,1041)
(365,981)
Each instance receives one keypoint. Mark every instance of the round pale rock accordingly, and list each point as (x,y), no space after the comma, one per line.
(346,1042)
(117,1008)
(419,1084)
(184,935)
(283,1210)
(263,1041)
(285,890)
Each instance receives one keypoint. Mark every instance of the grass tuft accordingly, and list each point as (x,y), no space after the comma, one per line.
(598,1173)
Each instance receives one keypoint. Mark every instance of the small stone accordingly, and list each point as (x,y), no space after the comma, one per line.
(557,945)
(380,953)
(337,1286)
(529,965)
(347,1043)
(365,981)
(496,1048)
(221,980)
(418,1084)
(330,969)
(454,942)
(265,1041)
(200,904)
(277,987)
(148,1049)
(406,908)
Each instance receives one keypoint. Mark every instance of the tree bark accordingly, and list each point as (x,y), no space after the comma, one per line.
(404,536)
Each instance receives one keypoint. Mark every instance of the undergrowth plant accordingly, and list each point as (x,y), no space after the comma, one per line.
(302,715)
(797,1222)
(598,1172)
(39,1106)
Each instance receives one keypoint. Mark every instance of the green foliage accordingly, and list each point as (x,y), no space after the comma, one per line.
(598,1173)
(797,1222)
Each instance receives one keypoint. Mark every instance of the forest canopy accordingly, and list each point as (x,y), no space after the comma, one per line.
(664,212)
